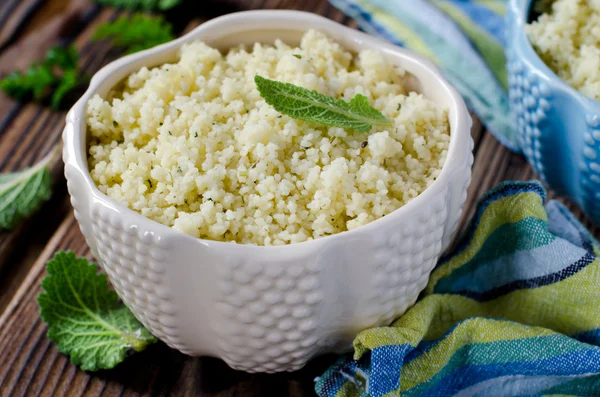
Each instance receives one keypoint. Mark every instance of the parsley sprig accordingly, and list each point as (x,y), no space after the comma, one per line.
(147,5)
(136,33)
(54,78)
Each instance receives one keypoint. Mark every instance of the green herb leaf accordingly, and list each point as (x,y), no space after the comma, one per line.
(65,58)
(70,81)
(86,320)
(168,4)
(136,33)
(23,192)
(57,72)
(147,5)
(35,81)
(303,104)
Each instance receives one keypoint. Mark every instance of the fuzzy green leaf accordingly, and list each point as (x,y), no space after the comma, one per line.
(147,5)
(136,33)
(23,192)
(303,104)
(84,316)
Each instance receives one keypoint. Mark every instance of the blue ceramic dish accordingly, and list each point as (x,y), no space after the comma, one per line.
(558,127)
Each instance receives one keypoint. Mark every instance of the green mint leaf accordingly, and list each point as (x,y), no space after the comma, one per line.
(303,104)
(57,71)
(147,5)
(84,316)
(136,33)
(23,192)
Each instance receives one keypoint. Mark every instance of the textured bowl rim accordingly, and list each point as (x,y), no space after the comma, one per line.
(457,113)
(521,10)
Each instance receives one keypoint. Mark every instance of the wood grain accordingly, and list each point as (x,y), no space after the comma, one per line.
(30,365)
(13,15)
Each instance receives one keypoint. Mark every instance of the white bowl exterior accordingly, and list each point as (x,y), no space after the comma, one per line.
(269,309)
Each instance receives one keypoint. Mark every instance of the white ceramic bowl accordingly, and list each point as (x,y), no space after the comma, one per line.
(269,309)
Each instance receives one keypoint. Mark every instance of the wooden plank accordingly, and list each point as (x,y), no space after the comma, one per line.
(489,167)
(13,15)
(57,24)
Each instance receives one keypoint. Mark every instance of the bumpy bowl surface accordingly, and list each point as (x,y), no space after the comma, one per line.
(558,127)
(269,309)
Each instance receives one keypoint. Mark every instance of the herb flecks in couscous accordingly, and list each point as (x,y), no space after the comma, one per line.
(567,38)
(234,169)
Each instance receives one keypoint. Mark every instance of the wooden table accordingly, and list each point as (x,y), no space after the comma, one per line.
(29,362)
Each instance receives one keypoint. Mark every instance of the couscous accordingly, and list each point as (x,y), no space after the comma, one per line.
(567,38)
(194,146)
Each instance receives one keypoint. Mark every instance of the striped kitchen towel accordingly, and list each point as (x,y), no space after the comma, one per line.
(513,310)
(465,38)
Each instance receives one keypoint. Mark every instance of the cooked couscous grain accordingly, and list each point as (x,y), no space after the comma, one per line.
(193,145)
(567,38)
